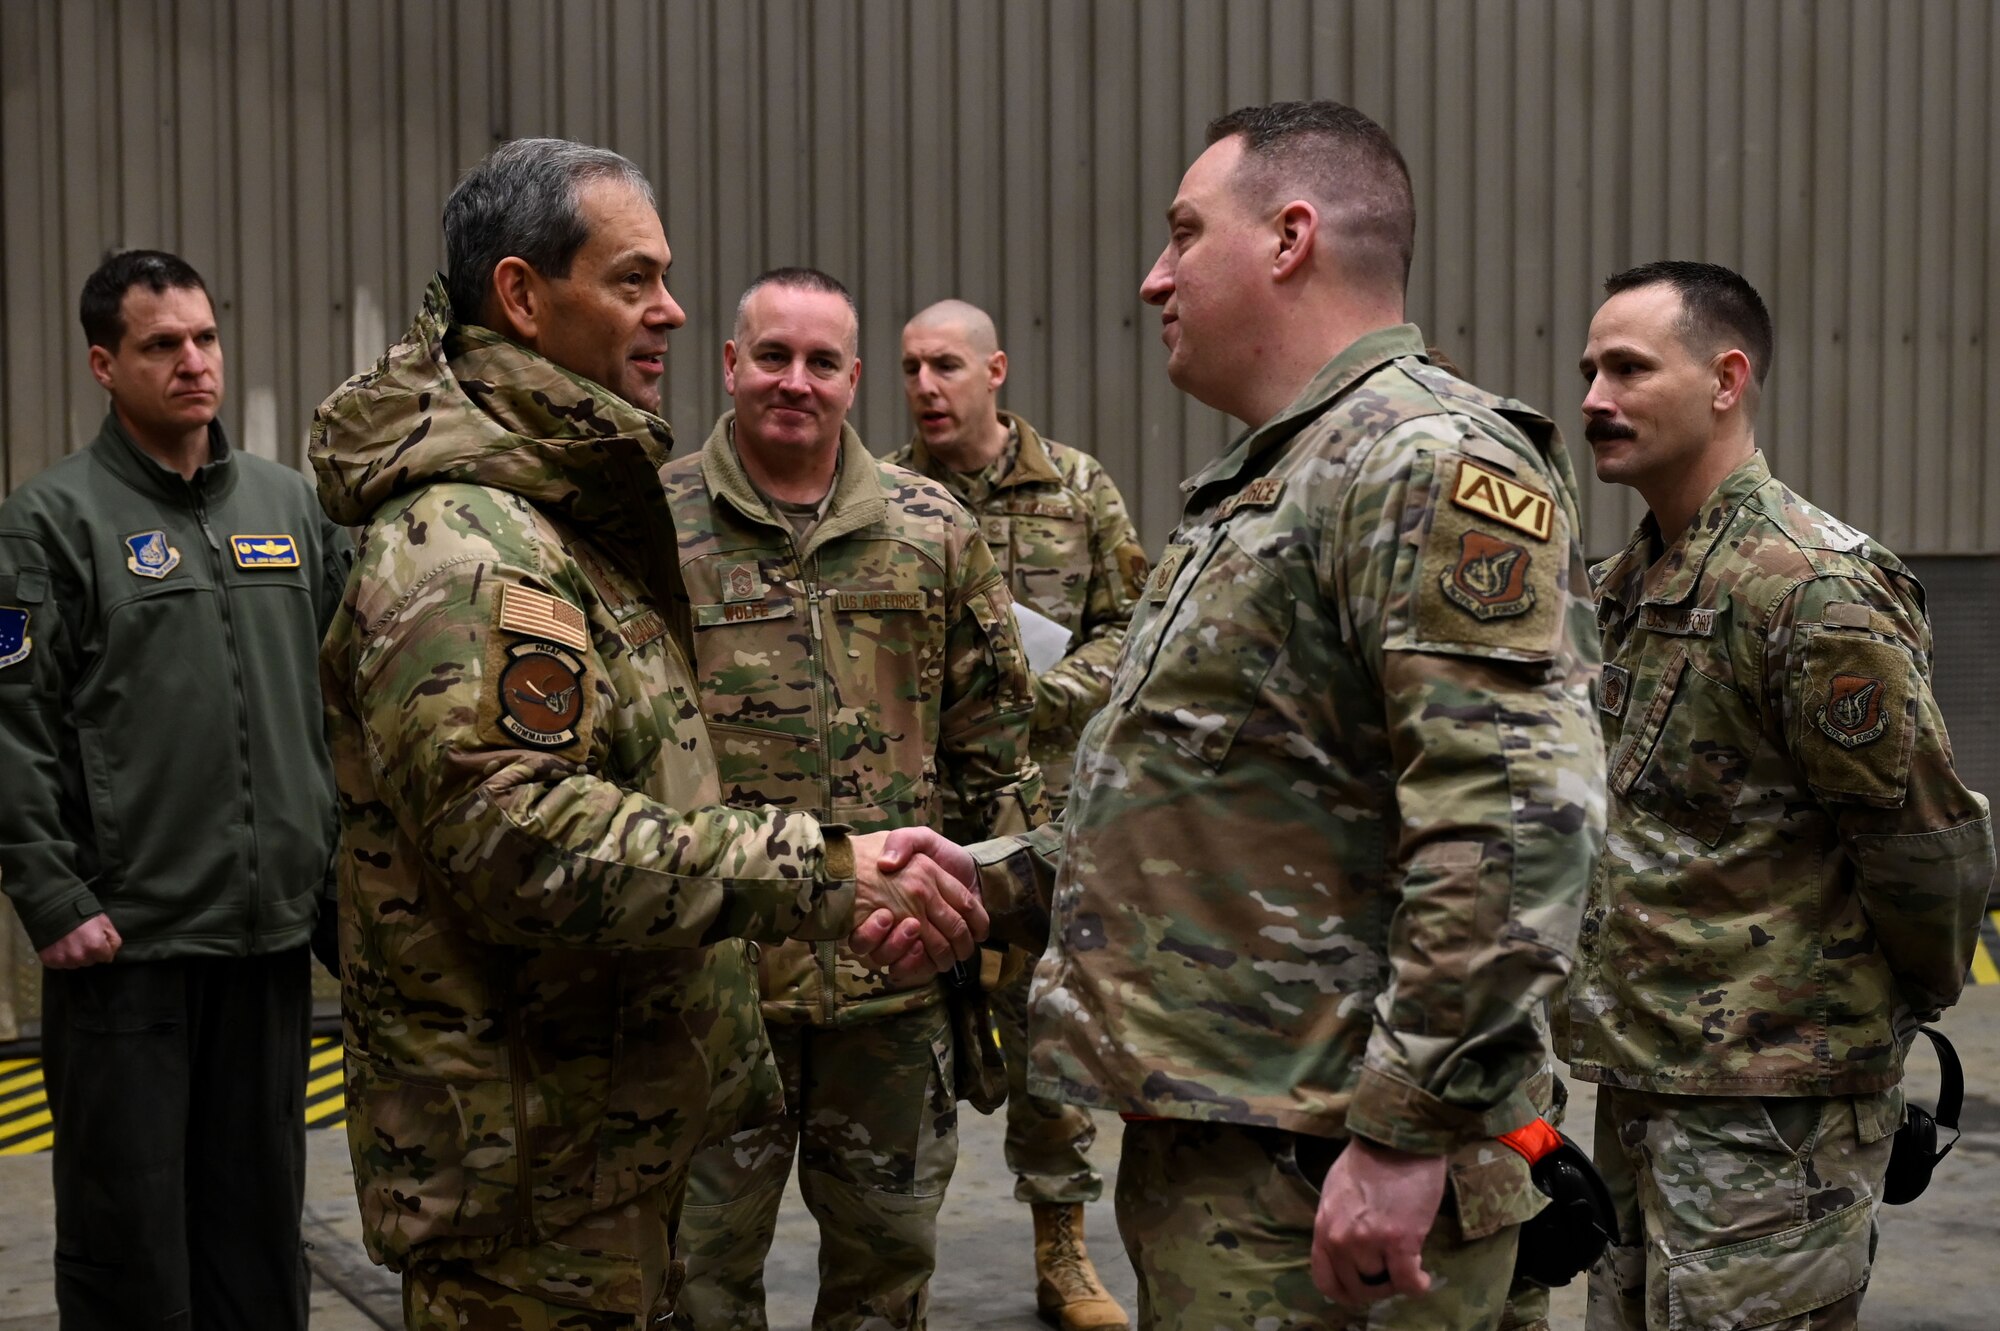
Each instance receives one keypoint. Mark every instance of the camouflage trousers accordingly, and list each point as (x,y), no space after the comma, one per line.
(613,1271)
(1048,1142)
(1218,1221)
(1739,1213)
(871,1116)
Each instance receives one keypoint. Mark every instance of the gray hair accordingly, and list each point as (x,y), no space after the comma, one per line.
(521,201)
(798,279)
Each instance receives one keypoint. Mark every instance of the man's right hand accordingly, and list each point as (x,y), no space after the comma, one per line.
(91,943)
(910,913)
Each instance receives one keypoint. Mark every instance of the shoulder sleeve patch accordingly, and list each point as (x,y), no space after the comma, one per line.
(1856,721)
(1133,565)
(1488,581)
(535,614)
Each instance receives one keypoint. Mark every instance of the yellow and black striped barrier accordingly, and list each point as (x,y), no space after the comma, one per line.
(24,1105)
(1986,951)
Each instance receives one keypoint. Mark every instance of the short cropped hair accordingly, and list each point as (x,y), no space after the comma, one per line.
(1718,307)
(523,201)
(799,279)
(1336,157)
(102,308)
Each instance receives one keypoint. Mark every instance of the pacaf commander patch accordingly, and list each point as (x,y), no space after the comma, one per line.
(541,694)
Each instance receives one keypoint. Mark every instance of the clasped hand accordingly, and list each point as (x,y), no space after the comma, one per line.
(916,907)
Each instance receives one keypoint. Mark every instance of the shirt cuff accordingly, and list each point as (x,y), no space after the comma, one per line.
(1391,1112)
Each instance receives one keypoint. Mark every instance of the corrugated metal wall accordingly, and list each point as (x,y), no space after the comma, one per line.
(1843,153)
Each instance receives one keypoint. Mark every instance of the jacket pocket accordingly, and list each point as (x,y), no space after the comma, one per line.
(1684,766)
(439,1160)
(104,823)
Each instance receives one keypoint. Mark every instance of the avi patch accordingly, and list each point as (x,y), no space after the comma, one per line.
(15,644)
(541,695)
(275,551)
(1490,578)
(150,555)
(1507,502)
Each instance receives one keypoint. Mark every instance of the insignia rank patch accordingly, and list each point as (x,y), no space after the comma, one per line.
(15,644)
(264,551)
(1166,571)
(1852,715)
(742,582)
(1615,689)
(1507,502)
(1490,579)
(151,556)
(541,695)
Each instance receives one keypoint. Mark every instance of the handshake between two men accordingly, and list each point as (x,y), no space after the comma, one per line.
(916,903)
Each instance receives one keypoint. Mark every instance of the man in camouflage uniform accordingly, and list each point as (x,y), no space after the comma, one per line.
(546,1010)
(1059,529)
(1322,860)
(858,662)
(1793,873)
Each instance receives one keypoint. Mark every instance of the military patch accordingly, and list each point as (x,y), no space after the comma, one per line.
(1687,622)
(541,695)
(1133,566)
(15,644)
(1260,493)
(537,615)
(1166,571)
(1041,508)
(1852,715)
(642,628)
(1507,502)
(1614,691)
(877,600)
(1490,579)
(742,582)
(151,556)
(276,551)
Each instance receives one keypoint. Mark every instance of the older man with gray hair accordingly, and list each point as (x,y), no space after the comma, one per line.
(547,1005)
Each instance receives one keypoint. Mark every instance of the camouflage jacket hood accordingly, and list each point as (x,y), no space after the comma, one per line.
(456,402)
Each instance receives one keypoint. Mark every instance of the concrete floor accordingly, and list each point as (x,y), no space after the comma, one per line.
(1938,1268)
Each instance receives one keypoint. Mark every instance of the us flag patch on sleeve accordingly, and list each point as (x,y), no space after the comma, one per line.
(534,614)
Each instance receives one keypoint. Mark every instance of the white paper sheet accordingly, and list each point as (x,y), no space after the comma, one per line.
(1045,641)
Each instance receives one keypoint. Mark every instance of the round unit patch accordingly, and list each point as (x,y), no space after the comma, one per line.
(541,694)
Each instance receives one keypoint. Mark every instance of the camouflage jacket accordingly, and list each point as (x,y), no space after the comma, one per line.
(1059,530)
(858,679)
(1793,873)
(535,865)
(1322,863)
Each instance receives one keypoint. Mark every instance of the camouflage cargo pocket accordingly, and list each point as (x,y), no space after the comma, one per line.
(1765,1280)
(433,1160)
(1493,1189)
(1683,766)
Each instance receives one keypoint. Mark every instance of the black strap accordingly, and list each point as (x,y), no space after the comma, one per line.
(1951,1080)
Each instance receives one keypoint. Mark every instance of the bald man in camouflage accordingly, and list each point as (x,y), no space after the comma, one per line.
(1059,530)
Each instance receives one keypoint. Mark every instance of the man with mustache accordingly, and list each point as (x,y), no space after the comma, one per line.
(547,1008)
(1320,867)
(858,663)
(1793,872)
(1059,528)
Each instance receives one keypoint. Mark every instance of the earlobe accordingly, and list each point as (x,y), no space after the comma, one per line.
(100,366)
(1297,228)
(729,366)
(996,369)
(514,298)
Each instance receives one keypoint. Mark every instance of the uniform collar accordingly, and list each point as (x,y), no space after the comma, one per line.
(1632,576)
(1032,464)
(122,456)
(1365,355)
(858,496)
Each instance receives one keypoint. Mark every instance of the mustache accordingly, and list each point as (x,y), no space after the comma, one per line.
(1603,431)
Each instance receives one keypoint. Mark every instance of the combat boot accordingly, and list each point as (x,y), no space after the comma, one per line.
(1068,1294)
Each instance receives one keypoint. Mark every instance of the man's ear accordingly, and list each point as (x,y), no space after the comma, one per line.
(996,370)
(1297,227)
(516,299)
(729,367)
(100,366)
(1732,379)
